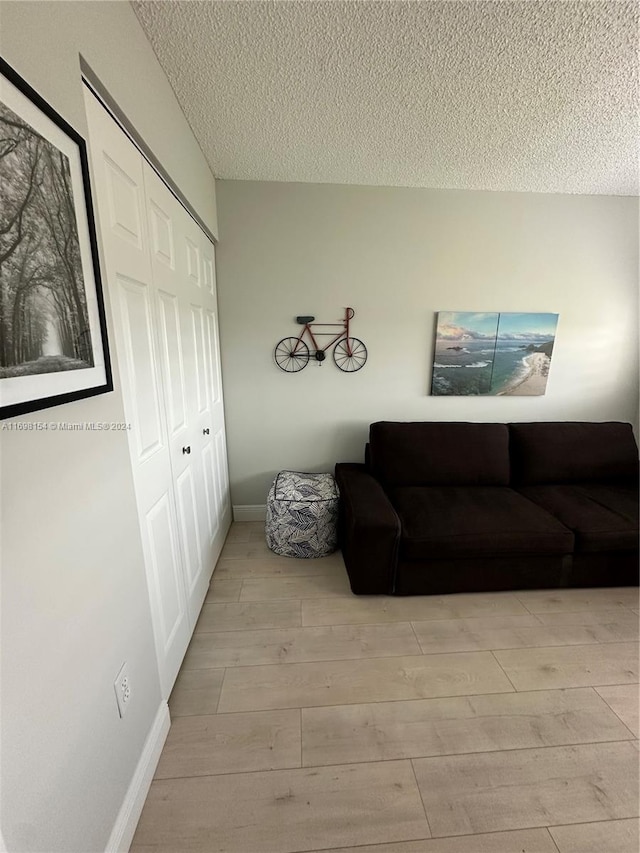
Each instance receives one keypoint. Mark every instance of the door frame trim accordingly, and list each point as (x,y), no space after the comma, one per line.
(93,84)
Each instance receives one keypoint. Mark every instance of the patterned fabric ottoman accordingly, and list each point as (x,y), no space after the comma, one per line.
(302,514)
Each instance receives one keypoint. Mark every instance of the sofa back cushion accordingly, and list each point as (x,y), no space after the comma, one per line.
(572,452)
(439,454)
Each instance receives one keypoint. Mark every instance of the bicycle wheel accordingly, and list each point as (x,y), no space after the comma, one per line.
(350,354)
(291,355)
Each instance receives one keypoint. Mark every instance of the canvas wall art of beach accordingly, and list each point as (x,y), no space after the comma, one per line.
(499,354)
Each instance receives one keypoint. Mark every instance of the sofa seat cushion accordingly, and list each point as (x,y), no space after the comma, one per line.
(453,521)
(602,517)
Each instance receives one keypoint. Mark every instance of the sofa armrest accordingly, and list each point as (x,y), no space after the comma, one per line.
(369,531)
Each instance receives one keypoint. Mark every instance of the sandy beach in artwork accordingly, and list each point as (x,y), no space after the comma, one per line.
(534,382)
(507,354)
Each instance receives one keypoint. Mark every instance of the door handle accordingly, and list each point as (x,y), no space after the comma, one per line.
(186,449)
(205,431)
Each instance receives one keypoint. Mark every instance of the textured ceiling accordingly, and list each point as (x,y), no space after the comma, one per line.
(531,96)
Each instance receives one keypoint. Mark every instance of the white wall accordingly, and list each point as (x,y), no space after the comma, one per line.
(43,41)
(398,256)
(74,596)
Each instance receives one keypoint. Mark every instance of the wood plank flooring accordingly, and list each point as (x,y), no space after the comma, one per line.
(309,719)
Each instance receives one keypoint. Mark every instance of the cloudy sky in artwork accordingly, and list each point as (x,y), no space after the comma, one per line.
(468,325)
(527,326)
(462,325)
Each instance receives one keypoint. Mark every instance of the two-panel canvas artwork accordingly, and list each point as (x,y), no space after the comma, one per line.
(492,354)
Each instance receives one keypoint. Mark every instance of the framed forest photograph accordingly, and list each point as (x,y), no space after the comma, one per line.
(53,341)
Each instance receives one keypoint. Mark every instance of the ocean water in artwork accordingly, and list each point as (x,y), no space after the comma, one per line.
(492,354)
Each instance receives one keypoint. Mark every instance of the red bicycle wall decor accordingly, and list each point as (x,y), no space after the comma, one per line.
(349,354)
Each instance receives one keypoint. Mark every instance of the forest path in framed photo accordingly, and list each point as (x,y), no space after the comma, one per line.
(53,344)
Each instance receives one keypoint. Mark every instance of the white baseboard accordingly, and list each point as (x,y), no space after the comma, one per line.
(131,809)
(250,512)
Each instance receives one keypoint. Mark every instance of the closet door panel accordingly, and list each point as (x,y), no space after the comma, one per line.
(214,390)
(212,491)
(190,528)
(162,235)
(222,477)
(160,271)
(193,260)
(176,271)
(128,247)
(139,370)
(200,400)
(214,375)
(209,271)
(123,202)
(170,337)
(165,589)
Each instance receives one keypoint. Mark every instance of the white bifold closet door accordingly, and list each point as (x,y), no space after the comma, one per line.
(160,276)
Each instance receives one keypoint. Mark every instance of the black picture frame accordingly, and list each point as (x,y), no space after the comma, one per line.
(53,336)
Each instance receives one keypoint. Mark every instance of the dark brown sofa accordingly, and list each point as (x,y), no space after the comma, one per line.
(462,507)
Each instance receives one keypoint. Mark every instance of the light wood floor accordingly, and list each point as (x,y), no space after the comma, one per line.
(308,719)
